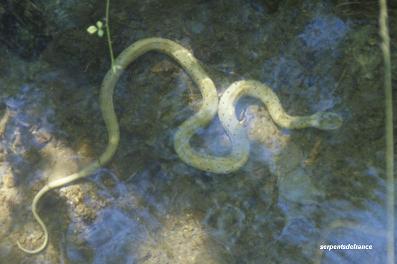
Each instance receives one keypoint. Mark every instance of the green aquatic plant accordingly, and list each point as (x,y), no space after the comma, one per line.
(209,107)
(98,28)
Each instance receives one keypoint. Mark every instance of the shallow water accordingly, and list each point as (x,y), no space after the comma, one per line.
(299,189)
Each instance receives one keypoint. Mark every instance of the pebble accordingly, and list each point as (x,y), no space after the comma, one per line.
(9,178)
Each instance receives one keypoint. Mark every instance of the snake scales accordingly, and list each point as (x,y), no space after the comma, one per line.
(209,108)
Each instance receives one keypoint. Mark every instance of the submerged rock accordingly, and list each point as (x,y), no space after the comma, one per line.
(23,28)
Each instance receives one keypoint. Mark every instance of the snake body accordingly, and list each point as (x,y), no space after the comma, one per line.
(209,107)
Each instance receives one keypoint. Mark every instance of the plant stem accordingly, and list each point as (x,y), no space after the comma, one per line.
(108,35)
(385,46)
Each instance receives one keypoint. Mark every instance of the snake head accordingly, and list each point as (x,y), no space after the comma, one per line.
(328,120)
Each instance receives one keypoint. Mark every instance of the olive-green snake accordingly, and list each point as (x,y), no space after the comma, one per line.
(209,108)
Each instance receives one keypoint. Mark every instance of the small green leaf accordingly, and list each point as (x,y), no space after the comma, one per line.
(99,24)
(100,33)
(92,29)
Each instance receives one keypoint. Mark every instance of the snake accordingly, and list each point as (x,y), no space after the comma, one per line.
(210,106)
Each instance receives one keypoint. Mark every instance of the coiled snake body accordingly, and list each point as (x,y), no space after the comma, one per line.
(239,141)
